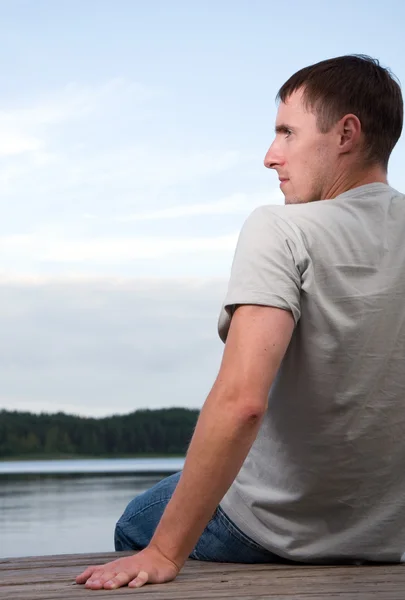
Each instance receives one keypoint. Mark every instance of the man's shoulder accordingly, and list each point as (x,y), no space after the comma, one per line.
(272,219)
(290,218)
(305,216)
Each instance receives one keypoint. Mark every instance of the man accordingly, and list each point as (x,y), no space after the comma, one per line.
(299,450)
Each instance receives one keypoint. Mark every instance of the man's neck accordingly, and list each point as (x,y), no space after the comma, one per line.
(343,183)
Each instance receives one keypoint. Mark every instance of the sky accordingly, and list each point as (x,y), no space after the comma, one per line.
(132,138)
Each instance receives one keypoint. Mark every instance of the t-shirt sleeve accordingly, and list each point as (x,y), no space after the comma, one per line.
(265,269)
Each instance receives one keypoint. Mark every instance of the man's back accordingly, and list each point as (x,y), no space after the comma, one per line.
(325,479)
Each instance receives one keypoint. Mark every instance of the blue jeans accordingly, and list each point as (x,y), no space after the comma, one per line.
(221,540)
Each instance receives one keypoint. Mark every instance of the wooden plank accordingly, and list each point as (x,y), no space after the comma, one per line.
(52,577)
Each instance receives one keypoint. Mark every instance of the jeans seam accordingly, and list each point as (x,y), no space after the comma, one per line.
(197,555)
(123,537)
(124,519)
(242,537)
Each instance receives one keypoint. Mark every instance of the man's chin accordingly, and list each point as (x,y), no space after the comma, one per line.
(290,198)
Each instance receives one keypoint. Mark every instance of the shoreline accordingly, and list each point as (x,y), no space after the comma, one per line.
(144,466)
(59,457)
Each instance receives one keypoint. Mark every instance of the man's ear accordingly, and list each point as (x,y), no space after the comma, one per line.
(349,130)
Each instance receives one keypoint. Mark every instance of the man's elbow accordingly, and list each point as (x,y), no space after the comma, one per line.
(253,413)
(242,402)
(249,410)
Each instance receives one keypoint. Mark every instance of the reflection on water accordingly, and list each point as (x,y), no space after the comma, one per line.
(63,514)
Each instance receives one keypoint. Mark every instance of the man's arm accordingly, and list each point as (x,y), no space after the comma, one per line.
(226,429)
(227,426)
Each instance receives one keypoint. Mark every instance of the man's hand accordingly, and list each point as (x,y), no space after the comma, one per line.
(148,566)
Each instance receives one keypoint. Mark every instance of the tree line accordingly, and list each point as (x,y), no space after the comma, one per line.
(163,431)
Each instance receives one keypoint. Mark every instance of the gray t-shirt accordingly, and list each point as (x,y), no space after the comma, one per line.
(325,477)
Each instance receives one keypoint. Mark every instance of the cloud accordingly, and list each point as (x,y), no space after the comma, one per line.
(29,129)
(72,102)
(97,151)
(108,345)
(109,250)
(233,204)
(91,184)
(12,143)
(51,143)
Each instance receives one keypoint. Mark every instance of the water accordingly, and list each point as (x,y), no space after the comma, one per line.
(45,509)
(95,465)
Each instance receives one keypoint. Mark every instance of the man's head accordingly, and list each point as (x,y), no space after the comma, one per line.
(337,124)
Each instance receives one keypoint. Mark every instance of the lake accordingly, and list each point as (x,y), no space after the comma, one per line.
(62,507)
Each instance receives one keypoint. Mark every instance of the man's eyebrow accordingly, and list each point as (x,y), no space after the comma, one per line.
(282,128)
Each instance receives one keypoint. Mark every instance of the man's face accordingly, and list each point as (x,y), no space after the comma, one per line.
(304,158)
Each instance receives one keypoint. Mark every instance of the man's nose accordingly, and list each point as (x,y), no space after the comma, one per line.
(273,157)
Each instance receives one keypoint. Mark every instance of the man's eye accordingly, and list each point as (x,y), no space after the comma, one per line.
(288,133)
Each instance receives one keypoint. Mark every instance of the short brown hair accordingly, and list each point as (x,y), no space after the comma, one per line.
(353,84)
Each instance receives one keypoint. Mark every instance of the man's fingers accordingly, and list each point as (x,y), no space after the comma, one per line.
(83,577)
(140,580)
(148,566)
(99,578)
(119,580)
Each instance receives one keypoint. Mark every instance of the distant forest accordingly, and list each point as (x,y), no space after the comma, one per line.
(165,431)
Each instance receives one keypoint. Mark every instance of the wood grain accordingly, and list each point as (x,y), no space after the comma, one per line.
(52,577)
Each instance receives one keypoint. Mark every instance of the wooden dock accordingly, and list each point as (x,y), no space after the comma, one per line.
(52,577)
